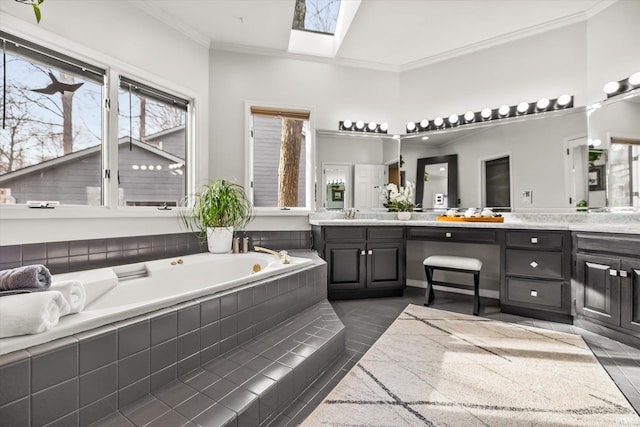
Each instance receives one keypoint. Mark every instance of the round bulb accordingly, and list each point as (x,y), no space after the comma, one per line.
(469,116)
(438,121)
(611,87)
(411,127)
(453,119)
(159,167)
(523,107)
(486,113)
(372,126)
(424,124)
(384,127)
(359,124)
(504,110)
(143,167)
(347,124)
(597,142)
(564,100)
(151,167)
(634,79)
(542,104)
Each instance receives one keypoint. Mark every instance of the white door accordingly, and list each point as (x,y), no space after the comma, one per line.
(336,173)
(366,180)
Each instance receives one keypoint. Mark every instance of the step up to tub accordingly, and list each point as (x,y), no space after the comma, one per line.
(250,385)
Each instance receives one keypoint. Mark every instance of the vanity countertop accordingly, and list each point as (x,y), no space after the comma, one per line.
(613,223)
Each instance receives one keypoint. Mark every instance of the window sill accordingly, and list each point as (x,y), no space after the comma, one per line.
(62,212)
(280,212)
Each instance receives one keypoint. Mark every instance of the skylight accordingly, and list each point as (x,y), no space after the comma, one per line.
(319,16)
(325,25)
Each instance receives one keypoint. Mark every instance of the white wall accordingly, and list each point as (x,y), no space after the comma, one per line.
(119,35)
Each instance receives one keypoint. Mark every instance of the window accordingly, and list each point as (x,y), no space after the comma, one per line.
(152,146)
(280,158)
(497,184)
(52,121)
(319,16)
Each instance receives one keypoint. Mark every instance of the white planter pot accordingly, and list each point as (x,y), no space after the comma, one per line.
(219,239)
(404,215)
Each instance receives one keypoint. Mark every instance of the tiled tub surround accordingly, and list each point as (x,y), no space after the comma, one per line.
(282,322)
(77,255)
(165,282)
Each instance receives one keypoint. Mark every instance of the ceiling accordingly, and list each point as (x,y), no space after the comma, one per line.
(384,34)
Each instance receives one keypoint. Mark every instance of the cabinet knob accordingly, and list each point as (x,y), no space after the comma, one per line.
(370,252)
(534,293)
(613,272)
(533,264)
(447,234)
(623,273)
(534,240)
(362,253)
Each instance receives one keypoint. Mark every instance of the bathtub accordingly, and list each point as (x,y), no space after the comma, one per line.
(122,292)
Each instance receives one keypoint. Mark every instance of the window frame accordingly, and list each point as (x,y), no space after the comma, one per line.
(310,155)
(114,69)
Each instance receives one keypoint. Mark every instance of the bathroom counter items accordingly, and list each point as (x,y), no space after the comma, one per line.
(30,303)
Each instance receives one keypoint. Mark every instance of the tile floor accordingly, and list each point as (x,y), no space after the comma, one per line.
(366,320)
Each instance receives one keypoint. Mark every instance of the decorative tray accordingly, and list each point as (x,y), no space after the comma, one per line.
(465,219)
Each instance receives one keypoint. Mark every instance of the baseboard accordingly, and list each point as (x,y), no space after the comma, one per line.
(485,293)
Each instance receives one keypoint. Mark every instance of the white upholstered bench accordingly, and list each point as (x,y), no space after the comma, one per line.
(457,264)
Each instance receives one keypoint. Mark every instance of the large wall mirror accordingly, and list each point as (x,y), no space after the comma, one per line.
(437,182)
(614,149)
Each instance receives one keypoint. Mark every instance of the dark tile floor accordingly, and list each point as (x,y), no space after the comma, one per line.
(366,320)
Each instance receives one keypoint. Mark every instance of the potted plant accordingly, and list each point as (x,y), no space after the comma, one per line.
(398,199)
(216,211)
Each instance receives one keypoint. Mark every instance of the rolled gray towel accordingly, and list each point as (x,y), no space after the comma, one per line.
(35,276)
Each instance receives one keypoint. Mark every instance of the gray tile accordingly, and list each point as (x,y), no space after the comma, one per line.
(133,368)
(220,389)
(98,410)
(53,363)
(65,421)
(97,348)
(228,327)
(240,375)
(216,415)
(258,363)
(188,318)
(188,344)
(54,402)
(196,405)
(133,336)
(145,410)
(259,294)
(114,420)
(175,393)
(201,379)
(163,377)
(209,354)
(210,334)
(35,251)
(164,327)
(16,413)
(14,376)
(163,355)
(228,304)
(246,405)
(56,250)
(245,299)
(133,392)
(228,344)
(11,253)
(169,419)
(188,364)
(98,384)
(209,311)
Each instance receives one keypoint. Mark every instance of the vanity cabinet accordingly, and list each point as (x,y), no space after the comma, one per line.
(362,261)
(607,279)
(537,274)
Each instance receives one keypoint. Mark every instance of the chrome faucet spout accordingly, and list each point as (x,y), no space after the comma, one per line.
(283,256)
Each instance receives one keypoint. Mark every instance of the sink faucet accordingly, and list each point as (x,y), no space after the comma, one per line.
(283,256)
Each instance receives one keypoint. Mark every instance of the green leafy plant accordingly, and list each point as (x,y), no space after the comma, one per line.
(219,204)
(397,199)
(36,7)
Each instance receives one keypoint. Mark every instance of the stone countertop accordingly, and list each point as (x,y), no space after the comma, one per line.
(611,223)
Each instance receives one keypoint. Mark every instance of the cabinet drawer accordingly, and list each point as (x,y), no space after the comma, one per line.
(609,243)
(342,234)
(535,292)
(452,234)
(532,239)
(546,265)
(385,233)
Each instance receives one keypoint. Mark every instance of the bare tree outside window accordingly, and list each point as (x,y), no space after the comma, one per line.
(316,15)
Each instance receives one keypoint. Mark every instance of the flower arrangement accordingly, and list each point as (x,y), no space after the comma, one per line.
(397,199)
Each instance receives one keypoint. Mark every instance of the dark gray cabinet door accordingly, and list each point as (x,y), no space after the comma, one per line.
(599,288)
(346,265)
(385,265)
(630,296)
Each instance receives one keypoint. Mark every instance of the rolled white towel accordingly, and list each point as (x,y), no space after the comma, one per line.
(31,313)
(73,292)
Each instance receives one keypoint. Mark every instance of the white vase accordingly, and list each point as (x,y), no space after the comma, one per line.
(219,239)
(404,216)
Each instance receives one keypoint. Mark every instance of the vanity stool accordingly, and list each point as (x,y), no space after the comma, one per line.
(457,264)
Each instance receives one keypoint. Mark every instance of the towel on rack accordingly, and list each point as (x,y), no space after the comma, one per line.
(31,313)
(35,276)
(73,292)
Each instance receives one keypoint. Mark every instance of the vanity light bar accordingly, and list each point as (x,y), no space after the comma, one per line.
(614,88)
(360,126)
(488,114)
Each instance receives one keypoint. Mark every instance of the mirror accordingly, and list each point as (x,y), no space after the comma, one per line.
(541,149)
(614,147)
(437,182)
(351,165)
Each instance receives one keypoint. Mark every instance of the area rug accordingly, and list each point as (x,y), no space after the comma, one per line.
(437,368)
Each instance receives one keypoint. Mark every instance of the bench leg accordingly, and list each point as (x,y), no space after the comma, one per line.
(429,295)
(476,293)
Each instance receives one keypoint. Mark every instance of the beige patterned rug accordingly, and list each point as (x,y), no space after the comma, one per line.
(438,368)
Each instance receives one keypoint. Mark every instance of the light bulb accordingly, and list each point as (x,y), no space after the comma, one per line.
(486,113)
(611,87)
(372,126)
(469,116)
(453,119)
(347,124)
(438,121)
(359,125)
(523,107)
(384,127)
(564,100)
(411,127)
(634,79)
(542,104)
(504,110)
(424,124)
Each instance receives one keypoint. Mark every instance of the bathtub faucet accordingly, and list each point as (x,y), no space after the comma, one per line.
(283,256)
